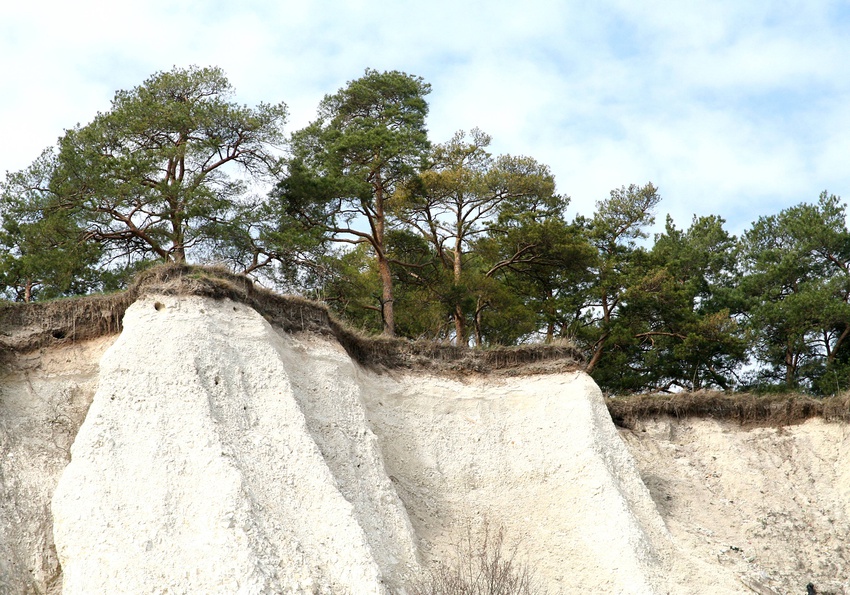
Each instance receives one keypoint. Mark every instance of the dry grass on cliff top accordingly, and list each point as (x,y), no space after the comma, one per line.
(28,327)
(746,409)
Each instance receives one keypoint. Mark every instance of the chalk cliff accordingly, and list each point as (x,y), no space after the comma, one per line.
(220,454)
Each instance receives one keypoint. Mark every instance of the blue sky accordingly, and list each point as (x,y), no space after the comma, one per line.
(731,108)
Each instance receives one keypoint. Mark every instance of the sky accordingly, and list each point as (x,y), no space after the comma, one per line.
(731,108)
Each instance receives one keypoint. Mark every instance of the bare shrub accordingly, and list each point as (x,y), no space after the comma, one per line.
(481,565)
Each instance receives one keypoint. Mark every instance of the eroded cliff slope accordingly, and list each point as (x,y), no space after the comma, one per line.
(44,397)
(223,454)
(770,504)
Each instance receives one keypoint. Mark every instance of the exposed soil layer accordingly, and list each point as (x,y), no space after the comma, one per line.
(745,409)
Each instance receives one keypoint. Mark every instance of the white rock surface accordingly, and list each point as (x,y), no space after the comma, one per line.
(196,470)
(220,456)
(540,457)
(770,505)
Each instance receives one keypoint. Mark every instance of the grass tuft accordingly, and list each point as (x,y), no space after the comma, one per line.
(745,408)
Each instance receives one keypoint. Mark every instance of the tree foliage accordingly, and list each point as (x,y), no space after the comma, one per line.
(44,252)
(796,283)
(445,242)
(619,222)
(368,139)
(682,323)
(460,203)
(159,174)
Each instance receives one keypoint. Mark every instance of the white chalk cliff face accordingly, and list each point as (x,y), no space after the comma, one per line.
(220,455)
(197,469)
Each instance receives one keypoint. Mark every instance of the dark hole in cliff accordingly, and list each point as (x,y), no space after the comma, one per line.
(158,306)
(58,334)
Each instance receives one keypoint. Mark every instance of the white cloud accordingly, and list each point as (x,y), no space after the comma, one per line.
(732,108)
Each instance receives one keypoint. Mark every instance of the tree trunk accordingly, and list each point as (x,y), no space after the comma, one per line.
(460,326)
(178,244)
(830,354)
(379,226)
(479,308)
(386,296)
(597,355)
(178,255)
(696,380)
(790,367)
(600,343)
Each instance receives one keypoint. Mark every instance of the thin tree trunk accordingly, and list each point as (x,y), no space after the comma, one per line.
(600,343)
(460,326)
(597,355)
(387,311)
(479,308)
(386,296)
(830,357)
(789,366)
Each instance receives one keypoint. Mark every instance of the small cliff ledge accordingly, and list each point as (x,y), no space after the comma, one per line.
(210,449)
